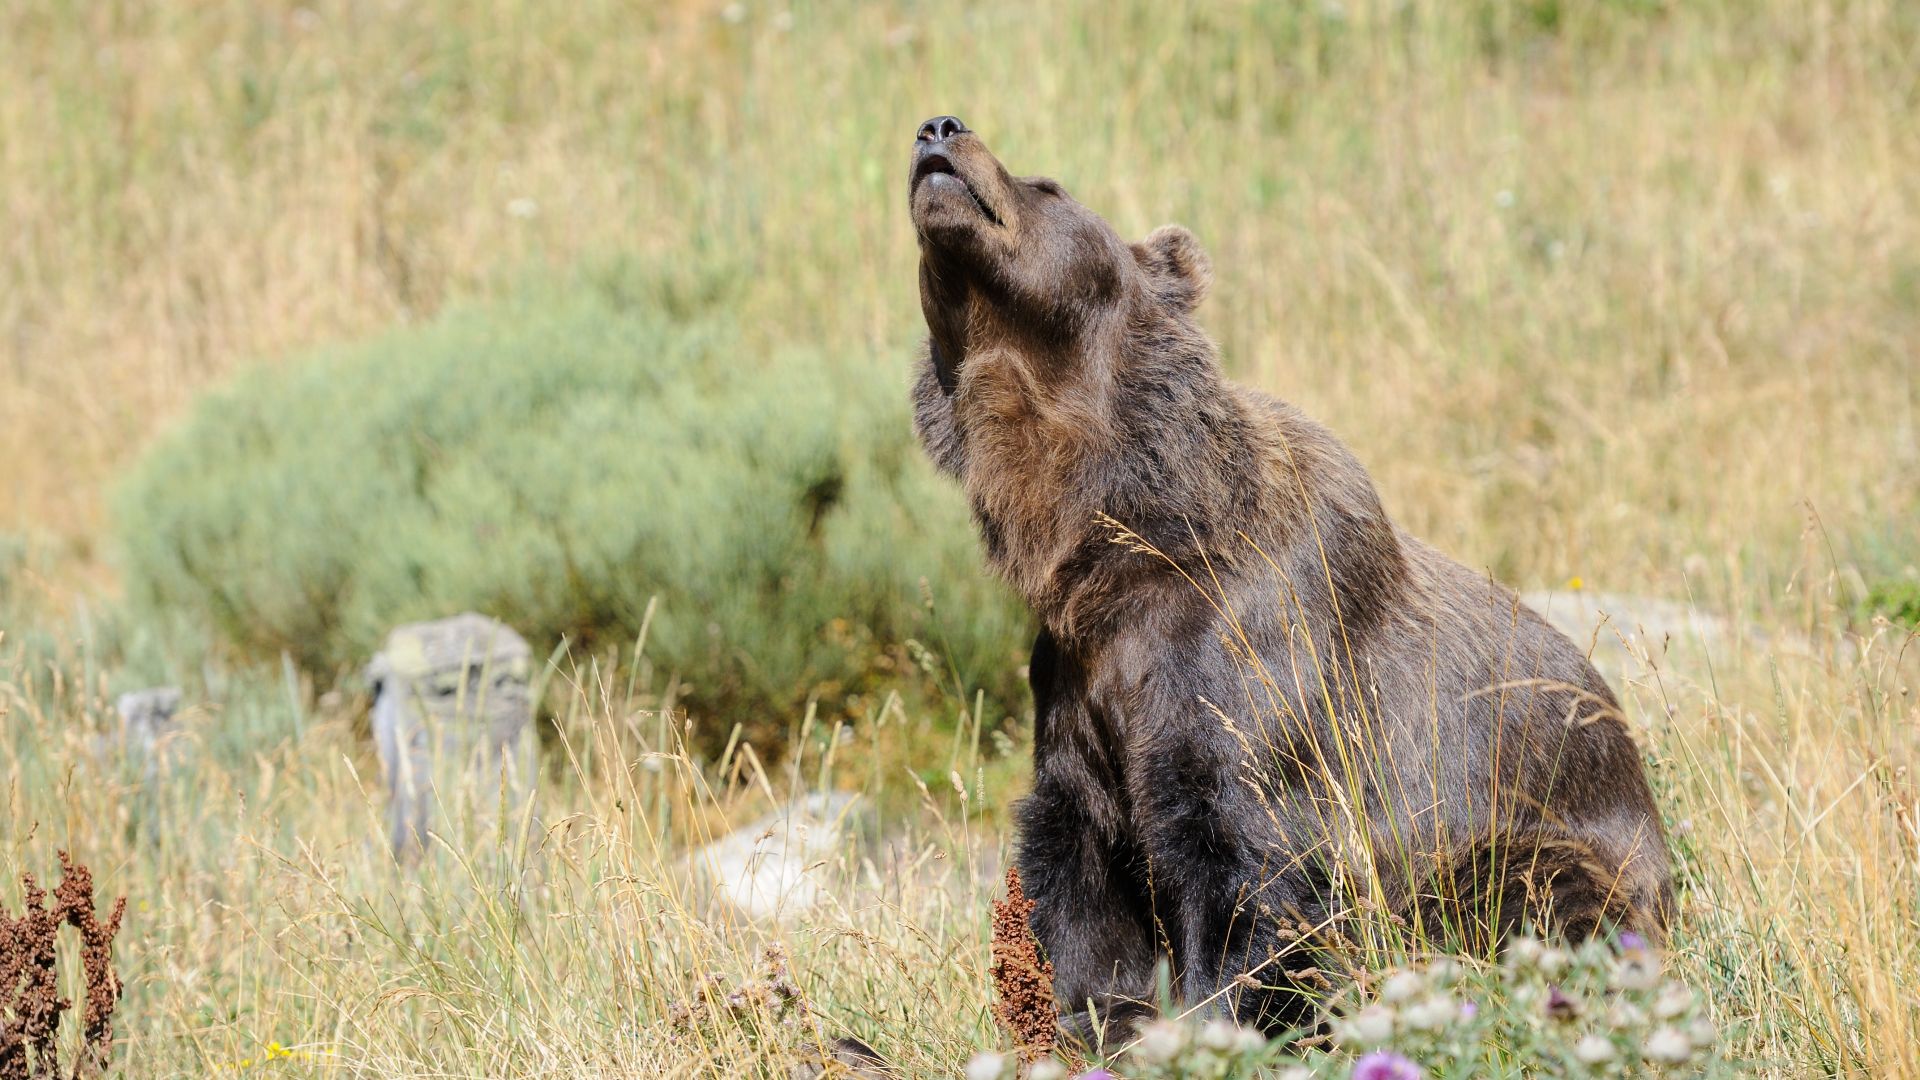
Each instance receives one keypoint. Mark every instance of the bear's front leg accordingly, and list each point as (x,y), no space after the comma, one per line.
(1079,864)
(1230,870)
(1089,915)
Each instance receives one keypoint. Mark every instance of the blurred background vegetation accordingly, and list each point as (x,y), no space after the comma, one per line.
(319,316)
(1611,289)
(585,467)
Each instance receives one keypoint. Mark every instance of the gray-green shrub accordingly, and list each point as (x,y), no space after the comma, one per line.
(557,465)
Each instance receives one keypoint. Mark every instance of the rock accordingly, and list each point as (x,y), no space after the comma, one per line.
(1628,635)
(1620,629)
(765,869)
(147,725)
(453,718)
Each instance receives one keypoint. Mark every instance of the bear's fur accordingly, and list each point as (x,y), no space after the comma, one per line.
(1258,703)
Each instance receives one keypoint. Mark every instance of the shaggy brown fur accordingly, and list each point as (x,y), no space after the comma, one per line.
(1257,699)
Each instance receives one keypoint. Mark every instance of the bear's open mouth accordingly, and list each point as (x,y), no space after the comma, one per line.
(938,164)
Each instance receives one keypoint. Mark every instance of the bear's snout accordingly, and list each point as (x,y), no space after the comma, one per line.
(940,129)
(952,184)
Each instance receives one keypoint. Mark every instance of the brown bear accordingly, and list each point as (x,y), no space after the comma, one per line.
(1259,706)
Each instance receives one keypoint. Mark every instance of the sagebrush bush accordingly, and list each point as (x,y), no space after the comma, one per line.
(1898,600)
(558,465)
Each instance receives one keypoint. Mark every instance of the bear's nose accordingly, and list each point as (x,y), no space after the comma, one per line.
(941,128)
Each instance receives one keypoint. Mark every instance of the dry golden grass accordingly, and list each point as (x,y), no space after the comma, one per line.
(273,931)
(1628,292)
(1590,298)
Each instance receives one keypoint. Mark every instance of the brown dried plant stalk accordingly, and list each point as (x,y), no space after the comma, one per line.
(30,1003)
(1022,981)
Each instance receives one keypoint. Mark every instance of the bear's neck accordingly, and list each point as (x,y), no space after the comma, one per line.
(1101,480)
(1088,473)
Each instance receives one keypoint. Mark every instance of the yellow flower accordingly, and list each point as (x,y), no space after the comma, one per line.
(1575,583)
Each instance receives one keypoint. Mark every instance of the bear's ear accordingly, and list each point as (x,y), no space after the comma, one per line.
(1180,269)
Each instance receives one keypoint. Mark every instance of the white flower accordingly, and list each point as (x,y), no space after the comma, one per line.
(1161,1041)
(1219,1035)
(986,1065)
(1701,1032)
(1047,1069)
(1400,986)
(1370,1026)
(1246,1040)
(1524,952)
(1594,953)
(734,13)
(522,208)
(1554,961)
(1674,1000)
(1296,1072)
(1637,971)
(1669,1045)
(1430,1015)
(1625,1015)
(1593,1050)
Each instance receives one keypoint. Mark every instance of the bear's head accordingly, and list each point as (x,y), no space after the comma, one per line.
(1016,261)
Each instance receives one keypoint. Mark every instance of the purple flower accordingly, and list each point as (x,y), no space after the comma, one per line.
(1560,1006)
(1386,1065)
(1468,1010)
(1632,942)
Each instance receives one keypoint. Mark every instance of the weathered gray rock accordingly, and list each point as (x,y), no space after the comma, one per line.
(453,718)
(147,725)
(1622,629)
(769,869)
(1630,635)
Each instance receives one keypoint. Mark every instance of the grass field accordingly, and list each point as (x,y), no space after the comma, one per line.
(1622,292)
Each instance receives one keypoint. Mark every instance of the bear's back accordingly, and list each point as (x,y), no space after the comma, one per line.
(1477,715)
